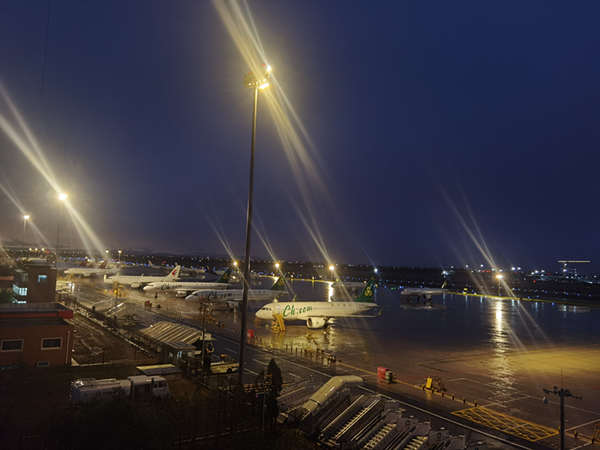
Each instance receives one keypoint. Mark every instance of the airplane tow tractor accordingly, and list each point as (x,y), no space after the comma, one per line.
(278,324)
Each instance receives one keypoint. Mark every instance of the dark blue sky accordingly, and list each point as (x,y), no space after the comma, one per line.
(431,120)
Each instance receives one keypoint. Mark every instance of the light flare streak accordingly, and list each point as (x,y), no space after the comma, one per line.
(30,222)
(296,143)
(30,148)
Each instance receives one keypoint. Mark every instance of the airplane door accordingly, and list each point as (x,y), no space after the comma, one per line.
(278,309)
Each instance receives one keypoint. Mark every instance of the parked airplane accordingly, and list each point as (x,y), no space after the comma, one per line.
(426,293)
(182,289)
(317,314)
(233,297)
(138,281)
(88,271)
(184,270)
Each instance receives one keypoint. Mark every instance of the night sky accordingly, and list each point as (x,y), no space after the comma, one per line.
(438,133)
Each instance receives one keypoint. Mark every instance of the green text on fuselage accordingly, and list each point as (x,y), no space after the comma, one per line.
(291,310)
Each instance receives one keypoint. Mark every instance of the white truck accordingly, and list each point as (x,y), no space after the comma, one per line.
(138,388)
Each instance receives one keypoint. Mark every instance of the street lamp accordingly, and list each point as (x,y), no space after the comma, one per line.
(25,218)
(62,198)
(277,267)
(120,251)
(251,81)
(499,278)
(107,254)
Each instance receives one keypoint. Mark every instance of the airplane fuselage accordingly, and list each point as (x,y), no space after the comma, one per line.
(307,310)
(183,286)
(422,292)
(234,295)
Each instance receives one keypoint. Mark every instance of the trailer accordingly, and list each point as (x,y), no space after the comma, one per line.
(138,388)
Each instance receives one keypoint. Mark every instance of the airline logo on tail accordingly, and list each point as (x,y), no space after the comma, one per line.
(225,277)
(279,284)
(174,273)
(366,295)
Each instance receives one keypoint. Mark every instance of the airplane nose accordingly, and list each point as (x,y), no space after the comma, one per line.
(191,297)
(147,288)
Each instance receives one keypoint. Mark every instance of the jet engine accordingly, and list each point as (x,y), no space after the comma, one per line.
(136,285)
(315,323)
(232,305)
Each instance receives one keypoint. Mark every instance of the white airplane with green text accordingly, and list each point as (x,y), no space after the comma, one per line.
(317,314)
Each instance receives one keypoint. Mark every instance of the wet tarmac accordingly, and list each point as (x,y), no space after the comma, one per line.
(493,356)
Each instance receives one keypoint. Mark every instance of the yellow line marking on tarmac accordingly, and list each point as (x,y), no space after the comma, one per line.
(375,373)
(524,429)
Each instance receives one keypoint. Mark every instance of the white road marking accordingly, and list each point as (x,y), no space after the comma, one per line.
(294,375)
(508,401)
(229,350)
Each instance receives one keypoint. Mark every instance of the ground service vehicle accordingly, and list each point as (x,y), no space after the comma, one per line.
(225,365)
(138,388)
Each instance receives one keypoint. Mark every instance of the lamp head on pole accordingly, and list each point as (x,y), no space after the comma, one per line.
(253,81)
(26,216)
(62,197)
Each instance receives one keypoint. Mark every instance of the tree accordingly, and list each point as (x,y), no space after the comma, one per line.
(275,385)
(6,296)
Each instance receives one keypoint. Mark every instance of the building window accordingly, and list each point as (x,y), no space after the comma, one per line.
(51,343)
(42,278)
(20,291)
(24,277)
(43,363)
(12,346)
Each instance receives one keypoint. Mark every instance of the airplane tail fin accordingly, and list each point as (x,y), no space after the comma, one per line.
(103,265)
(366,296)
(83,263)
(279,284)
(225,277)
(174,273)
(93,265)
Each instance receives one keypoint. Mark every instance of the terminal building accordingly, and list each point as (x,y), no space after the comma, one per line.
(35,335)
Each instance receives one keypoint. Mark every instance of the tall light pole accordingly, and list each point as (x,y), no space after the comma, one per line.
(120,251)
(62,198)
(251,81)
(499,278)
(25,218)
